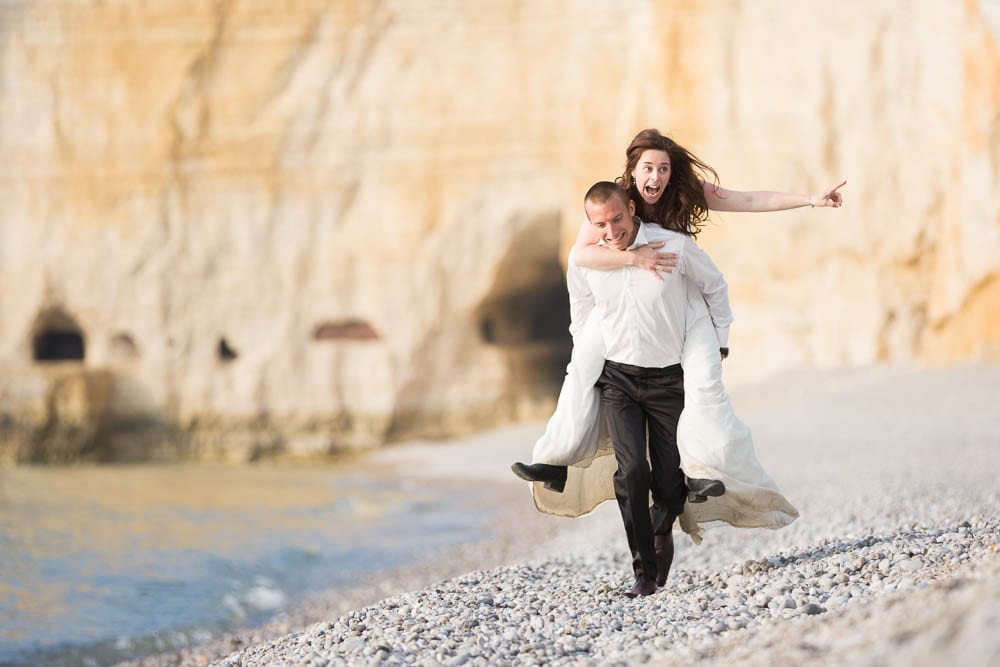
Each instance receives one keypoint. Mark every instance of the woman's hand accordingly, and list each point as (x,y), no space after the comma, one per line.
(647,257)
(829,198)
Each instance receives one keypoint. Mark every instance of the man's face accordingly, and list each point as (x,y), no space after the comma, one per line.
(614,221)
(651,175)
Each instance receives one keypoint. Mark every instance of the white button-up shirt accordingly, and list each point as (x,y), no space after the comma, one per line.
(643,319)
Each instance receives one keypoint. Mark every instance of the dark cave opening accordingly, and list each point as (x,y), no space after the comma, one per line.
(57,337)
(536,315)
(51,345)
(526,312)
(225,352)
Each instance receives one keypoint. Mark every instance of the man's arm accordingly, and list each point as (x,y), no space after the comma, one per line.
(581,298)
(698,267)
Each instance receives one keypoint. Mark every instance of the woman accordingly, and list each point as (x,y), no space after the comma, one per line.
(670,187)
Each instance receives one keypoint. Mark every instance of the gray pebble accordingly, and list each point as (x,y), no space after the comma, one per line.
(352,644)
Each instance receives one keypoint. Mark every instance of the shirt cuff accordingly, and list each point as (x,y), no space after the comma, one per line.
(723,334)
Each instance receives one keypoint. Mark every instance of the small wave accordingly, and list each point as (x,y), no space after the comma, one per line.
(233,605)
(265,598)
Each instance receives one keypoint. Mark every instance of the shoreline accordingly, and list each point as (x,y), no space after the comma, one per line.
(509,535)
(885,486)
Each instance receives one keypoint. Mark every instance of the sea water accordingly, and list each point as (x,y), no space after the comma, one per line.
(104,563)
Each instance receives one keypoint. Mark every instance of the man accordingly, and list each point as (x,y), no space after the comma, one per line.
(642,323)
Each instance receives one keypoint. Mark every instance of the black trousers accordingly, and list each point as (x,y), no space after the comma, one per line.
(636,400)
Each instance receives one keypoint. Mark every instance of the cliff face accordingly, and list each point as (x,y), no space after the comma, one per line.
(317,225)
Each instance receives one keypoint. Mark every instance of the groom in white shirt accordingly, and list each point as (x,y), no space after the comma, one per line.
(642,386)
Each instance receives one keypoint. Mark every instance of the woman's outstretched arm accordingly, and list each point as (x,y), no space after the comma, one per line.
(588,254)
(721,199)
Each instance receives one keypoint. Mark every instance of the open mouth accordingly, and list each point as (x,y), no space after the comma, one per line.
(652,191)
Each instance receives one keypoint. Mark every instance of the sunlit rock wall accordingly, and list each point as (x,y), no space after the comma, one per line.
(307,226)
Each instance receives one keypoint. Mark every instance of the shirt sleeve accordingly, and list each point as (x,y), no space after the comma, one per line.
(581,298)
(697,266)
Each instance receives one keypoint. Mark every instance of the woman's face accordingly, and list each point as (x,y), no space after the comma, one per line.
(651,175)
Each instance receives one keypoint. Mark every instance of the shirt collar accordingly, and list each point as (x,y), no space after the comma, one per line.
(640,236)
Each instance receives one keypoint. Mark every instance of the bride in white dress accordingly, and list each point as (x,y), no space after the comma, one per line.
(713,443)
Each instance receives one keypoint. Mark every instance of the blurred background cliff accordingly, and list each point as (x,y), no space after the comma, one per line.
(230,230)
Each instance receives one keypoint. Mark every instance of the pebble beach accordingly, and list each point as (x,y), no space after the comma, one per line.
(894,559)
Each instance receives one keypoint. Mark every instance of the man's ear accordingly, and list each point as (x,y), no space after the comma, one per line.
(631,207)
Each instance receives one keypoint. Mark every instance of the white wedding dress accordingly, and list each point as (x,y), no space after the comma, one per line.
(713,442)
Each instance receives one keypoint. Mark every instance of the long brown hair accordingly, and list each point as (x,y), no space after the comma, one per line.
(682,207)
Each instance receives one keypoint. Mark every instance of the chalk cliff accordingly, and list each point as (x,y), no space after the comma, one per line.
(254,228)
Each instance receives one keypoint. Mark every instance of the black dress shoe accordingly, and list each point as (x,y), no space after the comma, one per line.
(643,587)
(553,476)
(699,490)
(664,557)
